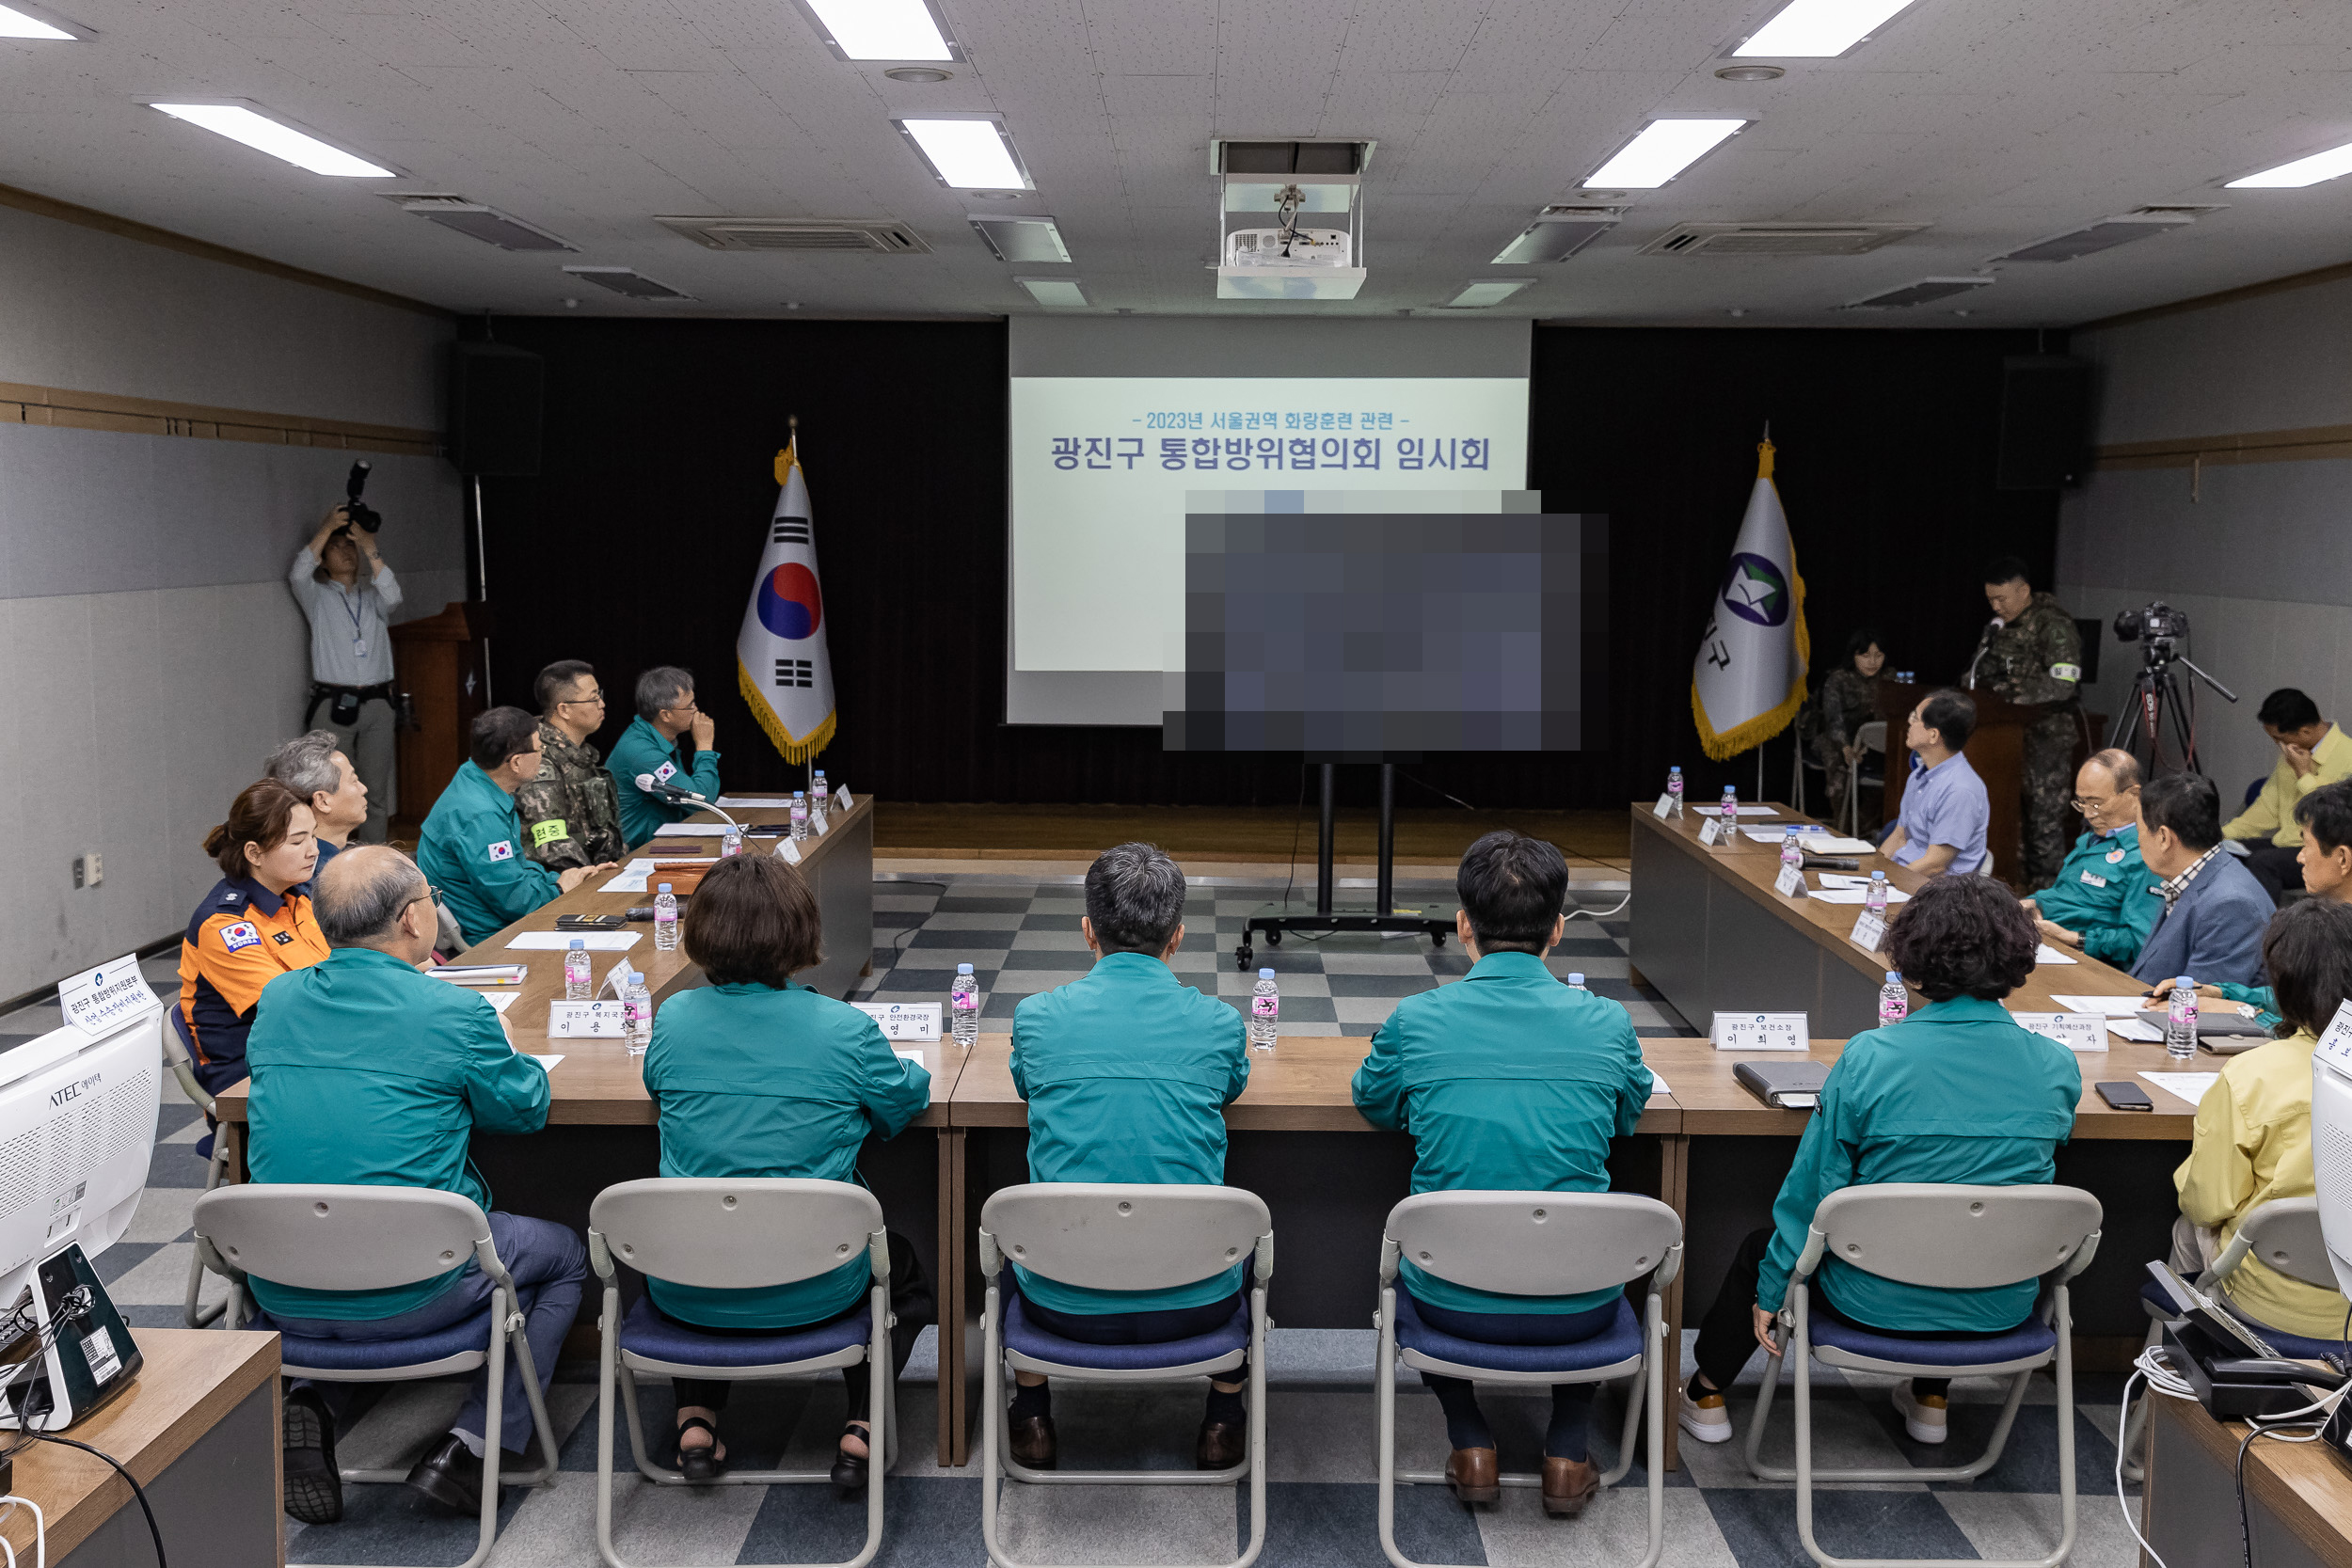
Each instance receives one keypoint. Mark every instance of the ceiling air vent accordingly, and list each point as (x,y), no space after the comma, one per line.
(478,222)
(1558,232)
(1922,292)
(624,280)
(2139,224)
(1777,239)
(856,236)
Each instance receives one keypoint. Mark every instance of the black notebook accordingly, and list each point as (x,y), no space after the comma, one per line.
(1791,1085)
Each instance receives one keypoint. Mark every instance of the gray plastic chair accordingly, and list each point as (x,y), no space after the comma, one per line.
(734,1234)
(2284,1234)
(182,1068)
(1106,1236)
(1533,1244)
(336,1238)
(1947,1237)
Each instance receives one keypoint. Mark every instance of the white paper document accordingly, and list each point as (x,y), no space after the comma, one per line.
(556,942)
(2135,1030)
(693,830)
(500,1000)
(1858,894)
(549,1062)
(2190,1087)
(2113,1006)
(1807,834)
(2045,954)
(627,882)
(732,803)
(914,1056)
(1656,1084)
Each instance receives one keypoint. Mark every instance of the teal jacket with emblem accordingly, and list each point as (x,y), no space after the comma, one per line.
(1127,1072)
(472,847)
(1955,1093)
(755,1082)
(1508,1080)
(643,749)
(2105,893)
(367,1073)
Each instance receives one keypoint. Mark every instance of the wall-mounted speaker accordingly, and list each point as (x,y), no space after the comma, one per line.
(495,395)
(2045,423)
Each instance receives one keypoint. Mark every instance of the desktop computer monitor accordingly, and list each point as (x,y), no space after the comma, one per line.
(2331,1141)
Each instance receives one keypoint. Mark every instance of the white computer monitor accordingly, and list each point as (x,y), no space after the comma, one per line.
(77,1128)
(2331,1141)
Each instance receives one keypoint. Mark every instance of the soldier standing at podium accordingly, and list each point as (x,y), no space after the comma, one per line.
(2032,652)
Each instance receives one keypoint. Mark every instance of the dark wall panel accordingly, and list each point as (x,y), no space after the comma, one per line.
(635,544)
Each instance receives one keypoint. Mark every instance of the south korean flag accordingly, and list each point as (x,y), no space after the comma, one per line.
(780,658)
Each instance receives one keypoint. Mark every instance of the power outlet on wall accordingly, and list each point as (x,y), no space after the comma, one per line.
(88,870)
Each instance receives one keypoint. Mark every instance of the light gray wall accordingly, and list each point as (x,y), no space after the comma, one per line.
(154,652)
(2261,557)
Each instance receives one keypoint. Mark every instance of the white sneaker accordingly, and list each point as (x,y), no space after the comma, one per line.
(1705,1418)
(1923,1413)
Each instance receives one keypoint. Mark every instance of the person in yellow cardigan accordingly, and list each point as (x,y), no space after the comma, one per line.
(2254,1133)
(2312,752)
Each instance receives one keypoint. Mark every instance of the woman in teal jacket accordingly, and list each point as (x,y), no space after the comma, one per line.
(755,1076)
(1957,1092)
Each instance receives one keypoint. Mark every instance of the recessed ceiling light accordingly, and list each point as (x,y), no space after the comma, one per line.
(1819,29)
(968,152)
(882,29)
(1664,148)
(1751,74)
(923,73)
(1475,296)
(240,123)
(2303,171)
(628,281)
(1061,293)
(31,21)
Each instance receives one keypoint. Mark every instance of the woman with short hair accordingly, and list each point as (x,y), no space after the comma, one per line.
(755,1076)
(1956,1093)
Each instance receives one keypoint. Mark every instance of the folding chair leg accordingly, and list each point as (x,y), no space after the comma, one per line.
(192,1314)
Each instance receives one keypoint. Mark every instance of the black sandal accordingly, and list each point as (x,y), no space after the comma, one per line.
(700,1466)
(849,1470)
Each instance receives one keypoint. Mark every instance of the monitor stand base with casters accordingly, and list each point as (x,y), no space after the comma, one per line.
(1381,918)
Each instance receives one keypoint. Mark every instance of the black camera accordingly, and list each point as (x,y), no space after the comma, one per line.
(2158,622)
(357,510)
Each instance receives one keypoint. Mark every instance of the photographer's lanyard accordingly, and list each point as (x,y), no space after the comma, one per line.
(358,634)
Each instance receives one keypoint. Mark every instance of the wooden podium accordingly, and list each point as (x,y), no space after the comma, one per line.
(437,661)
(1996,750)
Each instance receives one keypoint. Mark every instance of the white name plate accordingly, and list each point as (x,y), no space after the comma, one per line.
(1665,808)
(2335,1041)
(1869,932)
(789,851)
(2075,1031)
(816,823)
(600,1019)
(1790,883)
(841,801)
(96,1000)
(903,1020)
(1760,1032)
(1712,832)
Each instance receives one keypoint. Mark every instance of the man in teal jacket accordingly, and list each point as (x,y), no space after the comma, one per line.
(2105,901)
(1957,1092)
(1509,1080)
(366,1072)
(472,842)
(649,748)
(1127,1073)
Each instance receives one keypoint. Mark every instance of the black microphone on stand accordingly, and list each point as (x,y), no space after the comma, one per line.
(1983,643)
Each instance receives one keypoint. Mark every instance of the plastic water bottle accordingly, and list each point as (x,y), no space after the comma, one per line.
(819,792)
(2180,1021)
(1894,1002)
(963,1005)
(575,976)
(664,920)
(1576,981)
(1266,1012)
(800,814)
(636,1013)
(1730,810)
(1791,853)
(731,842)
(1874,896)
(1673,792)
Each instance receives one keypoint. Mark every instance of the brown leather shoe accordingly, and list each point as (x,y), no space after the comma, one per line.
(1473,1474)
(1222,1444)
(1033,1441)
(1568,1485)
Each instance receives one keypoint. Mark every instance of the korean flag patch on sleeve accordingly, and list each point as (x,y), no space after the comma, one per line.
(239,936)
(503,850)
(664,773)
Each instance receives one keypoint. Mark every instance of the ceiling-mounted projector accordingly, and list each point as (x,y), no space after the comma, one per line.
(1313,191)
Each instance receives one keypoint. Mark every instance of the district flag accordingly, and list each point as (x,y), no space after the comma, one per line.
(780,657)
(1748,681)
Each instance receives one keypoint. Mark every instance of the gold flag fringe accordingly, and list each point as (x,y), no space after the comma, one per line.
(794,750)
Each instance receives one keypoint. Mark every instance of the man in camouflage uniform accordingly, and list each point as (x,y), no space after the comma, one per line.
(2036,656)
(570,813)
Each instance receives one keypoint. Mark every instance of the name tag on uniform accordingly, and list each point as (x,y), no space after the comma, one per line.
(903,1020)
(1869,932)
(600,1019)
(2075,1031)
(1760,1032)
(2091,878)
(1790,883)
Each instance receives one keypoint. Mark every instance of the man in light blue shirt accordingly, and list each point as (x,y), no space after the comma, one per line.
(1946,810)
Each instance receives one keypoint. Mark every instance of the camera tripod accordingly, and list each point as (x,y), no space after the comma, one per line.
(2156,700)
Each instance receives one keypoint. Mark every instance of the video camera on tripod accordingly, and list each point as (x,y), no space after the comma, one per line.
(2157,701)
(2157,624)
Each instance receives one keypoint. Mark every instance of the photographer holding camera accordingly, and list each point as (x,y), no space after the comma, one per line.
(349,594)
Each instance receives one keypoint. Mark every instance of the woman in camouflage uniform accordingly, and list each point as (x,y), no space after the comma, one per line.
(1844,704)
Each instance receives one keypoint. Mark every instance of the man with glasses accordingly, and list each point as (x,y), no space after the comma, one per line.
(473,841)
(570,814)
(2103,902)
(651,746)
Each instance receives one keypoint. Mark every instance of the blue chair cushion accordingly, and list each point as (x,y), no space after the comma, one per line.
(1026,1337)
(1620,1341)
(646,1332)
(2031,1338)
(2293,1346)
(377,1355)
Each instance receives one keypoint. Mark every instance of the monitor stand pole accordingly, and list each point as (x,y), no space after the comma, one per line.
(1326,918)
